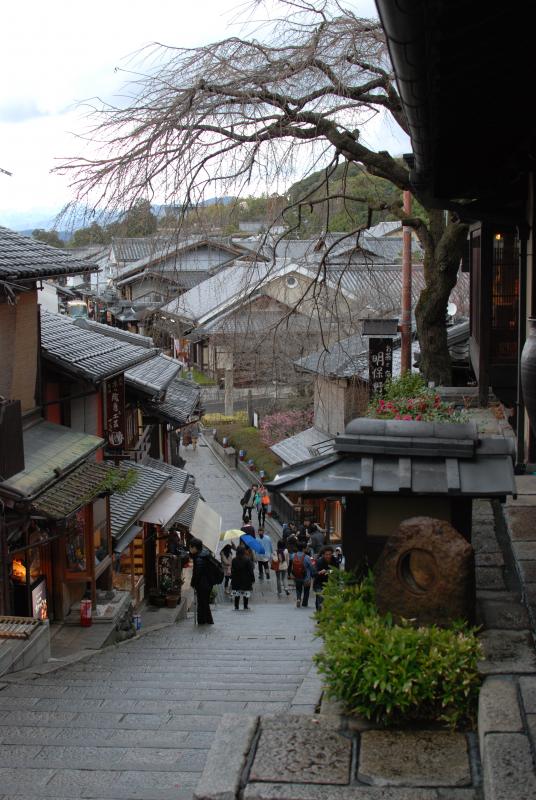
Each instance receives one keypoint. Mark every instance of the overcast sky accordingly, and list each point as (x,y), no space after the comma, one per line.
(56,53)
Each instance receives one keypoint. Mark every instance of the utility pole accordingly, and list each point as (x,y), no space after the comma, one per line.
(405,321)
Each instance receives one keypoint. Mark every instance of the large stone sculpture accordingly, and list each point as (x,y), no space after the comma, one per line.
(426,573)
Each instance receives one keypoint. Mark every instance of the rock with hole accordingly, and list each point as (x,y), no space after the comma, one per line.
(426,573)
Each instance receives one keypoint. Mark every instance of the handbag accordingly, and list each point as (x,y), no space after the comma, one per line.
(275,564)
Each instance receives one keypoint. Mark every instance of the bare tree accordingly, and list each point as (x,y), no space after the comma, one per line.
(243,110)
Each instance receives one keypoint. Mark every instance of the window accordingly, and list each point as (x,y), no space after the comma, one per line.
(291,282)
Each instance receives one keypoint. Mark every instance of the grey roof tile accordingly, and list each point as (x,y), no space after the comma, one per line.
(84,352)
(115,333)
(22,257)
(181,402)
(303,445)
(126,508)
(153,376)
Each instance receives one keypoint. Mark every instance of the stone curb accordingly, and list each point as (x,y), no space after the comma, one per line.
(227,758)
(308,694)
(508,767)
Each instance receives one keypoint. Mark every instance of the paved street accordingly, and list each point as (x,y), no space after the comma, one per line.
(137,720)
(220,490)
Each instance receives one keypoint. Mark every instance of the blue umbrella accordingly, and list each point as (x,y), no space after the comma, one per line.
(252,543)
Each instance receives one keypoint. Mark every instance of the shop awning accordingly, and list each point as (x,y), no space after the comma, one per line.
(164,508)
(206,525)
(121,544)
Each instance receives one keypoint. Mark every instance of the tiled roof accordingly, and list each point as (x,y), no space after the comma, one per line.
(390,457)
(49,450)
(180,479)
(186,513)
(78,488)
(343,359)
(181,402)
(153,376)
(22,257)
(115,333)
(82,352)
(126,508)
(303,446)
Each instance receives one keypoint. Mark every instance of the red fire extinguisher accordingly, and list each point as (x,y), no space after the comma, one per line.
(85,613)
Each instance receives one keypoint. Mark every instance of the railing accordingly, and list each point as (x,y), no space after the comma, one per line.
(283,510)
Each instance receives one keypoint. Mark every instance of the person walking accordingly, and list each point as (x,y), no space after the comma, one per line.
(194,434)
(248,503)
(280,565)
(264,559)
(262,504)
(302,572)
(325,564)
(242,577)
(201,581)
(317,540)
(226,558)
(292,547)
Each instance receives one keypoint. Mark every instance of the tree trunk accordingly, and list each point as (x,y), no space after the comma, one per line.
(442,255)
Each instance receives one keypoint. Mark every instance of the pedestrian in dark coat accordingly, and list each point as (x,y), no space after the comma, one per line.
(201,581)
(242,577)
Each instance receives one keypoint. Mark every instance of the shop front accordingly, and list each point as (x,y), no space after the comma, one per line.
(63,547)
(53,496)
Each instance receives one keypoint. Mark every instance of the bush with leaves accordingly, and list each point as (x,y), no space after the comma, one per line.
(394,673)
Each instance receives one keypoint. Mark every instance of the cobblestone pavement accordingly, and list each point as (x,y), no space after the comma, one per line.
(137,720)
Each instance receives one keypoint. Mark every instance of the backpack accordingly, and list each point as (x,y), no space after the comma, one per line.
(214,570)
(298,566)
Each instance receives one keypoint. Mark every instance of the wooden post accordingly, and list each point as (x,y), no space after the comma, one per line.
(132,571)
(405,320)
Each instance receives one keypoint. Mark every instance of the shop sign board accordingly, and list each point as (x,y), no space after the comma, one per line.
(380,363)
(115,411)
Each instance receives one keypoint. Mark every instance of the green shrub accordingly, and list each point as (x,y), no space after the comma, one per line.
(394,673)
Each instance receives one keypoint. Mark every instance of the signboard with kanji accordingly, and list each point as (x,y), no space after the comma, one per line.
(380,363)
(115,411)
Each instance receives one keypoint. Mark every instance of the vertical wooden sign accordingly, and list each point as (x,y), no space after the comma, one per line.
(380,363)
(115,411)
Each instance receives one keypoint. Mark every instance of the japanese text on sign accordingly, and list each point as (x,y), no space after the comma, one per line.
(380,363)
(115,411)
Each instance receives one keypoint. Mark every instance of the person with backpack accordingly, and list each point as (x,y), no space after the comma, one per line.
(280,565)
(302,572)
(242,578)
(206,573)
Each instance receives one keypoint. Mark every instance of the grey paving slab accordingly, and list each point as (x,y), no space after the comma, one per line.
(405,758)
(508,767)
(507,652)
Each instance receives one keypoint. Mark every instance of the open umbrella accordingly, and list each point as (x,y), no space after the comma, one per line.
(254,544)
(234,533)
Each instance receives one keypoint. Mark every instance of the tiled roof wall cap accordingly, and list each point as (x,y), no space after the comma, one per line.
(412,428)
